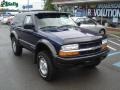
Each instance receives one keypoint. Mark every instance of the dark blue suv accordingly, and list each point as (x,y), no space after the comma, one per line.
(56,41)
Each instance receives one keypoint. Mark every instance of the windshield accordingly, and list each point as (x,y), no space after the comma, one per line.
(90,21)
(86,21)
(53,20)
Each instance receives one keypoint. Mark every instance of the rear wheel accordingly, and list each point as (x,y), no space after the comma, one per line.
(17,49)
(45,66)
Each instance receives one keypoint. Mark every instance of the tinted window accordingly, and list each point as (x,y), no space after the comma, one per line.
(89,21)
(18,20)
(28,20)
(51,15)
(81,20)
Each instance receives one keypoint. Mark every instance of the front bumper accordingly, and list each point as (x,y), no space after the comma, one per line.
(84,60)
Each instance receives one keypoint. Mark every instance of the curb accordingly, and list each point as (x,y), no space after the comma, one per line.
(113,29)
(114,36)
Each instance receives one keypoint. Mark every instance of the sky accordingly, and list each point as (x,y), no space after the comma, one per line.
(37,4)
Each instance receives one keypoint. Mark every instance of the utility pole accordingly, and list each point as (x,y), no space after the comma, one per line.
(44,2)
(28,4)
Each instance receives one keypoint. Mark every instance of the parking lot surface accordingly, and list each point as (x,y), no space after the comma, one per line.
(19,73)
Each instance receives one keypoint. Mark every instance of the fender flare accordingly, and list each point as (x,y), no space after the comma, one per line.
(49,45)
(14,33)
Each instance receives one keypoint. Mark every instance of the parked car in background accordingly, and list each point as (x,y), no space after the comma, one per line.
(10,19)
(7,19)
(1,17)
(88,23)
(4,20)
(104,21)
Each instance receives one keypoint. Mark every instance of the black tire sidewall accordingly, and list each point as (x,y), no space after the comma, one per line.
(49,75)
(18,50)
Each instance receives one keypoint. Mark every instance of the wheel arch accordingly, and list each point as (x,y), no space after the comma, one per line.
(103,29)
(45,45)
(13,34)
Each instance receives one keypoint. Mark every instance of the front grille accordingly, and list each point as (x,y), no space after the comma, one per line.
(90,52)
(89,45)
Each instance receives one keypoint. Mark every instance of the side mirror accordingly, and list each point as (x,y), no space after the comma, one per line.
(78,23)
(29,26)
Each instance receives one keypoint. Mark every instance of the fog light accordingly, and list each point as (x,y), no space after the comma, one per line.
(68,54)
(104,47)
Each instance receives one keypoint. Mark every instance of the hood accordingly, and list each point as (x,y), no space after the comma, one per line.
(70,35)
(100,26)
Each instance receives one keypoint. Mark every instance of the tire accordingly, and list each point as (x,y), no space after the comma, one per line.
(17,49)
(102,32)
(93,65)
(45,66)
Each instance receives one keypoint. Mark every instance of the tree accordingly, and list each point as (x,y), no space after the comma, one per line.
(49,6)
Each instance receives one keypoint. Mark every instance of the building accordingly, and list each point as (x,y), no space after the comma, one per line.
(92,8)
(8,7)
(32,5)
(22,5)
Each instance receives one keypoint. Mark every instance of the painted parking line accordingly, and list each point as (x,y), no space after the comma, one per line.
(112,54)
(119,40)
(117,64)
(112,48)
(114,42)
(114,35)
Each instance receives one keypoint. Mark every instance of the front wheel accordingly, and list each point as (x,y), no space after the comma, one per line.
(102,32)
(45,66)
(17,49)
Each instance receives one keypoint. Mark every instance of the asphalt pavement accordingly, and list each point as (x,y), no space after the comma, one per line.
(19,73)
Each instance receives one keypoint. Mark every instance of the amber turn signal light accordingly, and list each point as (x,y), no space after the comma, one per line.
(104,47)
(68,54)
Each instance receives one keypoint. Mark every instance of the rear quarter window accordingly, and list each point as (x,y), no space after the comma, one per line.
(18,20)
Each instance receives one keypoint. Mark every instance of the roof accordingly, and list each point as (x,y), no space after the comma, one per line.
(37,12)
(80,1)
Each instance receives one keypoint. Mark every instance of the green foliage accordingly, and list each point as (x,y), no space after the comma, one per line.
(49,6)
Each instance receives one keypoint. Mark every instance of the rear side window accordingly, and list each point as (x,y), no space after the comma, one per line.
(18,20)
(89,21)
(28,20)
(81,20)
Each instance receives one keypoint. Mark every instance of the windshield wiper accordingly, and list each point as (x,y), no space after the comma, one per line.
(67,26)
(47,27)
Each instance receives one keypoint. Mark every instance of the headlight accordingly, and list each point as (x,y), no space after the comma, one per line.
(104,45)
(70,47)
(104,41)
(66,50)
